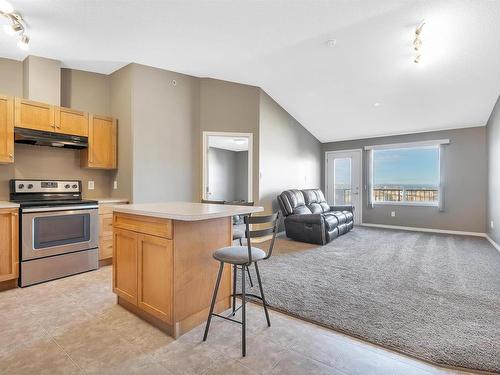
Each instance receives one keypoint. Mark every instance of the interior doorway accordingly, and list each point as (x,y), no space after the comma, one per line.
(227,166)
(343,178)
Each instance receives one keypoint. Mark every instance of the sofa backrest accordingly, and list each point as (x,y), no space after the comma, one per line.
(298,202)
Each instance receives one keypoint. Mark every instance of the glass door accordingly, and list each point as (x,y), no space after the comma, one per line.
(343,180)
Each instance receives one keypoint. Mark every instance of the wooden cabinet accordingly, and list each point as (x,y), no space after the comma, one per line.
(106,231)
(6,129)
(9,248)
(34,115)
(155,276)
(101,153)
(70,121)
(125,264)
(143,272)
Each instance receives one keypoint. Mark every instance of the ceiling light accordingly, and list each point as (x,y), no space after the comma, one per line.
(377,104)
(331,42)
(24,43)
(13,28)
(6,7)
(417,42)
(16,24)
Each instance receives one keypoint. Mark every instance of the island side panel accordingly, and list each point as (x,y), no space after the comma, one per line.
(195,270)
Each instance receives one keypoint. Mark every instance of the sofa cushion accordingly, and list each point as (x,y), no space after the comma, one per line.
(315,201)
(342,218)
(331,222)
(290,200)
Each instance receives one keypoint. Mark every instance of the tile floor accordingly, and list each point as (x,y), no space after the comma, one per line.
(74,326)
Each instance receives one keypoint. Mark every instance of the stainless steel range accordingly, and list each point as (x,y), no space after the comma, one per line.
(58,230)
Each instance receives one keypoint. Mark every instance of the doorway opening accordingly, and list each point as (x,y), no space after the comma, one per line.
(227,167)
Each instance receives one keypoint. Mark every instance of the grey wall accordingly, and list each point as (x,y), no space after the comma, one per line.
(241,175)
(86,91)
(165,128)
(121,108)
(465,175)
(290,156)
(493,137)
(42,80)
(221,174)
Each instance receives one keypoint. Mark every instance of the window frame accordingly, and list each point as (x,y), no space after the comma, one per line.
(409,145)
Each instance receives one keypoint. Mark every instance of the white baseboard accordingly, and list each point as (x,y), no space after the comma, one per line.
(495,245)
(413,229)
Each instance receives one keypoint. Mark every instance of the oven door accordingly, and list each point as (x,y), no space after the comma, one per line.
(53,231)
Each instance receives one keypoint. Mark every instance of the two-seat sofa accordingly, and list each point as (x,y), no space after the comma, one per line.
(309,218)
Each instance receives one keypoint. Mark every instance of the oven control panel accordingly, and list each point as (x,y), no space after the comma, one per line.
(37,186)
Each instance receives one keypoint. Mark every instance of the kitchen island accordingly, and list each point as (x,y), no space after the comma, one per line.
(163,270)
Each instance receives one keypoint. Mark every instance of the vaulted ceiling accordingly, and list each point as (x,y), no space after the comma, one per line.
(363,84)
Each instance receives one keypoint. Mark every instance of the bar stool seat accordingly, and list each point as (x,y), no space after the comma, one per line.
(238,254)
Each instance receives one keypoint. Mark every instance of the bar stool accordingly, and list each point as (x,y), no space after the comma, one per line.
(244,256)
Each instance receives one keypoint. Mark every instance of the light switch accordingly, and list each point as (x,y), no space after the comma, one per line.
(393,213)
(115,185)
(492,225)
(91,185)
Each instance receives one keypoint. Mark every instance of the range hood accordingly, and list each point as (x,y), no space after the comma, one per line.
(42,138)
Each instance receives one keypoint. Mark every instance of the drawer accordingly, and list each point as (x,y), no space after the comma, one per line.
(105,248)
(143,224)
(106,208)
(106,225)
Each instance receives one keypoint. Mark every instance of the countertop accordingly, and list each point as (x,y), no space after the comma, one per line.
(185,211)
(110,200)
(6,204)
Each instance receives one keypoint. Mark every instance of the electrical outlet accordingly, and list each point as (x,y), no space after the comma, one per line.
(115,185)
(492,224)
(393,213)
(91,185)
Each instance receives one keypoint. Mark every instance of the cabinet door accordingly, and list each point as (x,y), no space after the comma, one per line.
(69,121)
(155,276)
(125,265)
(101,153)
(9,249)
(34,115)
(6,129)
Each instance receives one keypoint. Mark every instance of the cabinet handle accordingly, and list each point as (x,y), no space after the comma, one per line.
(11,156)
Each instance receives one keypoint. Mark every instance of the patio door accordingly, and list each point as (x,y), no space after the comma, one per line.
(343,180)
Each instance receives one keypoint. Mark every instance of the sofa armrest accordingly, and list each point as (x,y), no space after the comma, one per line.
(342,208)
(305,218)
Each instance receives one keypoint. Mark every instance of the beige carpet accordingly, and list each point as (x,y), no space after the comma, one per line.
(432,296)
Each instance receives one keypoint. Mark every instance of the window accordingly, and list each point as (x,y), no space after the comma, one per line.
(406,174)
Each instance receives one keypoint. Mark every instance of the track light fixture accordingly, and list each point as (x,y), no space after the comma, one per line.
(16,25)
(417,42)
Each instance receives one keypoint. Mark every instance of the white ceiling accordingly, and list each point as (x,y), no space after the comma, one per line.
(228,143)
(282,47)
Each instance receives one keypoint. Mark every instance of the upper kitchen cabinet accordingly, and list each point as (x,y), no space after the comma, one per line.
(6,129)
(101,153)
(34,115)
(70,121)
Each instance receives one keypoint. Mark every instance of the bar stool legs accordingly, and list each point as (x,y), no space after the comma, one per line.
(244,272)
(264,303)
(243,315)
(214,298)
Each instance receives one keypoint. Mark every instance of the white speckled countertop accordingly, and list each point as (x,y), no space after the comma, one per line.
(6,204)
(186,211)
